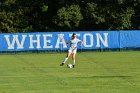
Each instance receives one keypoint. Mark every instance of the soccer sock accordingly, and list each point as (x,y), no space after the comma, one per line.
(65,60)
(73,61)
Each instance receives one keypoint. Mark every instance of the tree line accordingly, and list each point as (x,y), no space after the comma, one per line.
(68,15)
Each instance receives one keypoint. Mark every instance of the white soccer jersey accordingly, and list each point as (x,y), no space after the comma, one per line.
(74,42)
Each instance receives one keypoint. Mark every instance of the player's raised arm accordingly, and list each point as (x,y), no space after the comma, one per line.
(68,42)
(65,44)
(80,41)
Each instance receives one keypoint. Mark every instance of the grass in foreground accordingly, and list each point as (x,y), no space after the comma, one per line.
(95,72)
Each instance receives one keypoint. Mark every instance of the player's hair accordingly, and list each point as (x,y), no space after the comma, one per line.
(74,34)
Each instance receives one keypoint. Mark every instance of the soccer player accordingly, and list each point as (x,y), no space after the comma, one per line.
(72,50)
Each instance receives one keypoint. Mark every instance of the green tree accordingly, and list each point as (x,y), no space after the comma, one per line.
(108,17)
(12,18)
(69,17)
(13,22)
(124,21)
(55,15)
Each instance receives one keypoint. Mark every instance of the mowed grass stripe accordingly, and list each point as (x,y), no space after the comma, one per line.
(99,72)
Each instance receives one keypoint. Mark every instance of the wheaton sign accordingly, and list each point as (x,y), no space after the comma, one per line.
(51,41)
(57,40)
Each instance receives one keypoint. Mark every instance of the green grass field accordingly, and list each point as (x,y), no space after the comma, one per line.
(95,72)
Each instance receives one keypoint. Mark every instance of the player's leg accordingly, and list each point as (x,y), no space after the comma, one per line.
(66,58)
(73,56)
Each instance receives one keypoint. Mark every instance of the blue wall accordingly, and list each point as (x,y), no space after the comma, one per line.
(56,40)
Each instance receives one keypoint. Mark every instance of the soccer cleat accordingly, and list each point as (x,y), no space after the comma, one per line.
(61,64)
(73,66)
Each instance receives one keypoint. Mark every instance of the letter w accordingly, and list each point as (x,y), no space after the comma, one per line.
(15,40)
